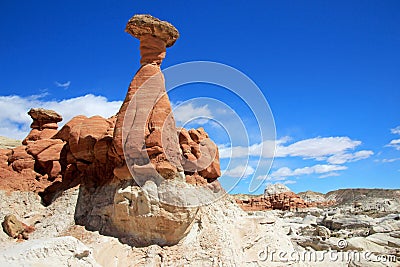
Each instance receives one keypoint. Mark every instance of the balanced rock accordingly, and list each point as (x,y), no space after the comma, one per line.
(145,132)
(141,26)
(140,179)
(42,118)
(145,139)
(44,124)
(152,198)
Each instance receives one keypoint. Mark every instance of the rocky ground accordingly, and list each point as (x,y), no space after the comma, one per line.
(222,235)
(361,221)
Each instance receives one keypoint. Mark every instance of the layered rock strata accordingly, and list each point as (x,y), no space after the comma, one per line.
(141,179)
(278,197)
(44,125)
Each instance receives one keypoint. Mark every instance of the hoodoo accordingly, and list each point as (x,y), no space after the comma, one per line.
(141,179)
(151,197)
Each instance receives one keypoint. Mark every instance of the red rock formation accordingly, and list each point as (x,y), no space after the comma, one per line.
(200,157)
(44,124)
(93,148)
(148,201)
(145,127)
(129,167)
(278,197)
(50,165)
(282,201)
(16,171)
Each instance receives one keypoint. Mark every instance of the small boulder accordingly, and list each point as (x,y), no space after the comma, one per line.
(12,226)
(310,219)
(323,232)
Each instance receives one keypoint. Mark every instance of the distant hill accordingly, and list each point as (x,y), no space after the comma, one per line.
(350,195)
(7,143)
(311,196)
(369,200)
(347,196)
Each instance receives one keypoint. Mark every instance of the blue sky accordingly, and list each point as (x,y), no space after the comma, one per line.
(328,69)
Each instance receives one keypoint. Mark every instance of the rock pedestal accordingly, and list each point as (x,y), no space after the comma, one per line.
(140,179)
(149,200)
(44,124)
(145,141)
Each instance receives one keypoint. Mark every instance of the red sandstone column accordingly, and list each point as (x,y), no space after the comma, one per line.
(145,128)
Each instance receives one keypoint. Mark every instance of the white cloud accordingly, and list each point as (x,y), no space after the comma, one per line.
(289,182)
(275,178)
(349,157)
(265,149)
(395,144)
(240,171)
(284,172)
(335,150)
(186,113)
(63,85)
(317,148)
(395,130)
(331,174)
(14,120)
(390,160)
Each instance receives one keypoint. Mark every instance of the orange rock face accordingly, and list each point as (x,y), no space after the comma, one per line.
(137,155)
(200,156)
(85,149)
(91,150)
(145,127)
(44,124)
(280,201)
(61,160)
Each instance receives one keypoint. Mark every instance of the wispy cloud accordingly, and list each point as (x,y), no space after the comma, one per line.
(282,173)
(240,171)
(331,174)
(289,182)
(334,150)
(188,112)
(318,148)
(63,85)
(395,130)
(14,120)
(349,157)
(395,143)
(389,160)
